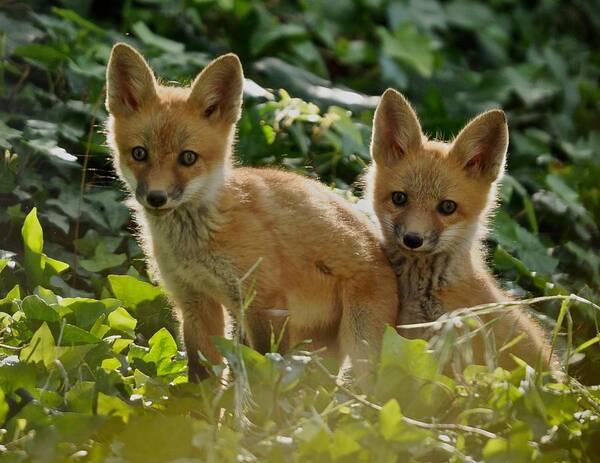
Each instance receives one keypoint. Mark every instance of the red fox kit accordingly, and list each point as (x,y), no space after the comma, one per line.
(205,223)
(432,200)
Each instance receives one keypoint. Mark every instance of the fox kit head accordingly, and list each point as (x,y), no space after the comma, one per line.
(171,144)
(431,196)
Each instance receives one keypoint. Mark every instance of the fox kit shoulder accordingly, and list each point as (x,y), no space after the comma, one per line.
(205,224)
(432,200)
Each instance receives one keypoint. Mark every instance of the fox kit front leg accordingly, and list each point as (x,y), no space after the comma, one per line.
(366,313)
(201,319)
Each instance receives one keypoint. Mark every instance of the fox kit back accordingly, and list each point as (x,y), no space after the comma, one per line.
(204,224)
(432,200)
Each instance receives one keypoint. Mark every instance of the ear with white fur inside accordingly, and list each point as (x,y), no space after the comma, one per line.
(481,146)
(130,82)
(396,129)
(218,90)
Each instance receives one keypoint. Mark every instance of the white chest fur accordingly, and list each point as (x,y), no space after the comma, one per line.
(187,262)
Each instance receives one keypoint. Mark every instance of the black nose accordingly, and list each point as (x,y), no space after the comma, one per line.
(156,198)
(412,240)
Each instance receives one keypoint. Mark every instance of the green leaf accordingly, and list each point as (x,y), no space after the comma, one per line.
(72,16)
(409,373)
(4,408)
(513,237)
(36,308)
(410,47)
(150,38)
(81,396)
(469,14)
(73,335)
(162,349)
(120,345)
(390,418)
(45,55)
(342,445)
(41,348)
(113,406)
(16,376)
(92,242)
(86,310)
(132,291)
(103,261)
(21,32)
(261,41)
(145,439)
(57,219)
(569,196)
(13,294)
(72,357)
(119,319)
(515,449)
(33,239)
(53,266)
(6,134)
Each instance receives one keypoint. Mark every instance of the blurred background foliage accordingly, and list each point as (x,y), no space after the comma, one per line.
(314,70)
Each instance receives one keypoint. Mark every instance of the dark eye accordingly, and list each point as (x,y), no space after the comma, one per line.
(447,207)
(139,153)
(187,158)
(211,109)
(399,198)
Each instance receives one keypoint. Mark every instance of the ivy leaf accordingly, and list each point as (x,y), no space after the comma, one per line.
(162,349)
(73,335)
(513,237)
(13,295)
(33,240)
(4,408)
(81,396)
(35,308)
(342,445)
(132,291)
(113,406)
(390,418)
(6,134)
(409,47)
(119,319)
(103,261)
(150,38)
(41,348)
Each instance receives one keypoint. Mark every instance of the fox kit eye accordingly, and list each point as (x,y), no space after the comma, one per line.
(139,153)
(399,198)
(210,110)
(187,158)
(447,207)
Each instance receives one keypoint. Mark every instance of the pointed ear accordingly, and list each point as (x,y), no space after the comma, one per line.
(396,129)
(217,91)
(130,82)
(481,146)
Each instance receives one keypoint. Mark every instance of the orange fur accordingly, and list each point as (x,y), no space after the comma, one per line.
(319,259)
(440,266)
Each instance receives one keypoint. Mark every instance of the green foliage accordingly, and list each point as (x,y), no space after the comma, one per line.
(89,363)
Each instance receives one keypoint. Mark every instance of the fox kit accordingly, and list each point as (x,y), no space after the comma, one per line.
(205,223)
(432,200)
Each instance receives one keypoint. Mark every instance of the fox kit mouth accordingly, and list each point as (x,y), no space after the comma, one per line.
(425,249)
(158,212)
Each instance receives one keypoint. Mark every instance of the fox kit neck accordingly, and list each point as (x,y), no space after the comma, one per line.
(457,264)
(423,277)
(195,221)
